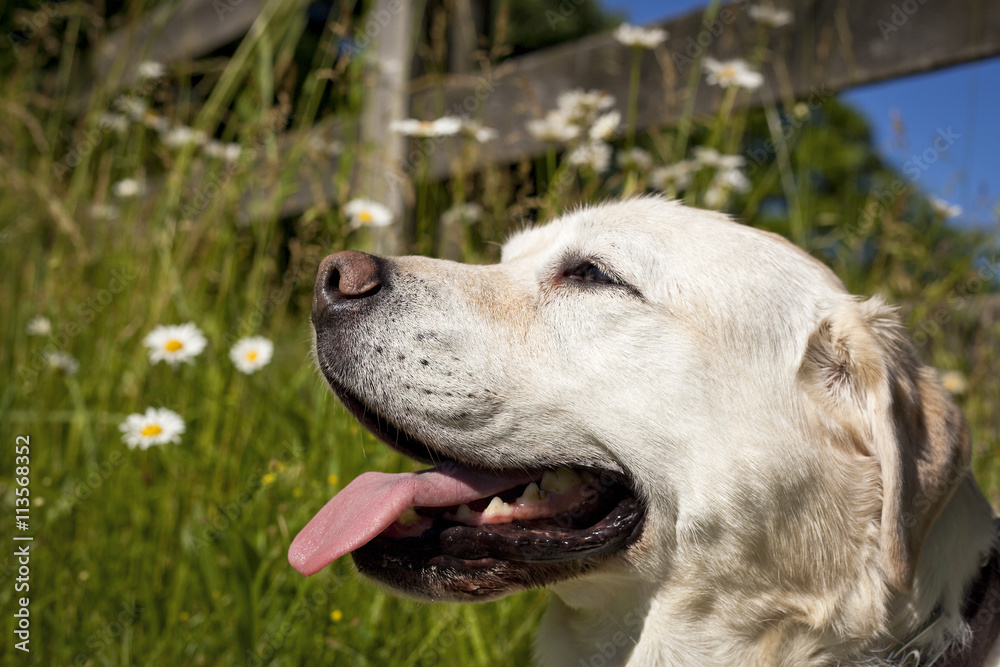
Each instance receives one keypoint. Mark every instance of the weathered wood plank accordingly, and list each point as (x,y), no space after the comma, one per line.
(176,32)
(829,46)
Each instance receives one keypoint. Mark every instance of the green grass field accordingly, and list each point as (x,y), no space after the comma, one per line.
(177,554)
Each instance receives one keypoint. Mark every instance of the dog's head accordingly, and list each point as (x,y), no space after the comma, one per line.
(635,387)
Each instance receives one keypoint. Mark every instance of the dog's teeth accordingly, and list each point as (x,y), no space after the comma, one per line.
(560,481)
(463,513)
(497,507)
(408,517)
(532,494)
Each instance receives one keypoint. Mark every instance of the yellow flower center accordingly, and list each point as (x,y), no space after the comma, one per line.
(173,345)
(365,216)
(151,430)
(251,356)
(728,73)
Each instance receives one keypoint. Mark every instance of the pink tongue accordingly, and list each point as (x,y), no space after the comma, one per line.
(374,500)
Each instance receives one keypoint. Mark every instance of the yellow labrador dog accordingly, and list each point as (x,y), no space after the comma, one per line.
(684,427)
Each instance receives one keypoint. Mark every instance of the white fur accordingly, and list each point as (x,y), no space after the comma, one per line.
(768,540)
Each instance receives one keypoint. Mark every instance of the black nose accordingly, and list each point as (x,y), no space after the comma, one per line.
(345,276)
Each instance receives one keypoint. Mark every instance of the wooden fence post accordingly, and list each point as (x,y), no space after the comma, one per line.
(389,56)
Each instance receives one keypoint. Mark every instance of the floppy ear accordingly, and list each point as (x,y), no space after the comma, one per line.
(876,397)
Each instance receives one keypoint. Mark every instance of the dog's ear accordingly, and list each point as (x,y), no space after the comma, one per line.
(862,372)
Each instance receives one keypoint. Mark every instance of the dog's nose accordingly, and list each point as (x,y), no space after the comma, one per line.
(347,275)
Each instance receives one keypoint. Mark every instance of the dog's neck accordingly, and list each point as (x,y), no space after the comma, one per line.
(605,619)
(981,612)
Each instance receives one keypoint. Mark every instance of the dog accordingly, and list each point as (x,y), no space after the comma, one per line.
(684,427)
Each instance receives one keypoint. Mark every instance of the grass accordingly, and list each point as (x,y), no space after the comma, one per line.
(176,554)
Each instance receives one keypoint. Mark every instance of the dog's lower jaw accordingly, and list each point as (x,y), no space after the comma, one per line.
(605,618)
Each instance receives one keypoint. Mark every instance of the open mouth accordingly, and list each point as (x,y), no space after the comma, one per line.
(459,531)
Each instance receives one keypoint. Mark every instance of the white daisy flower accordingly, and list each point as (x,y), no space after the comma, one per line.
(366,213)
(674,177)
(251,354)
(181,135)
(734,179)
(554,127)
(150,69)
(593,154)
(725,182)
(62,361)
(478,131)
(580,100)
(944,209)
(113,121)
(732,73)
(133,107)
(175,344)
(465,214)
(105,212)
(127,188)
(158,426)
(638,37)
(445,126)
(635,159)
(39,326)
(582,107)
(709,157)
(604,128)
(716,195)
(156,122)
(770,16)
(322,146)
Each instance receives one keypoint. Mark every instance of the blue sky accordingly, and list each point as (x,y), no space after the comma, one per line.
(964,100)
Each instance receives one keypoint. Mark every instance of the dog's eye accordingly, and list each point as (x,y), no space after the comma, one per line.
(590,273)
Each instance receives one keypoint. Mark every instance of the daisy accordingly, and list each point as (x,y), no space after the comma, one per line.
(133,107)
(127,188)
(635,159)
(465,214)
(478,131)
(732,73)
(158,426)
(174,344)
(944,209)
(770,16)
(366,213)
(445,126)
(582,107)
(593,154)
(640,38)
(604,127)
(113,121)
(709,157)
(180,136)
(62,361)
(321,145)
(105,212)
(39,326)
(734,179)
(150,69)
(251,354)
(674,177)
(554,127)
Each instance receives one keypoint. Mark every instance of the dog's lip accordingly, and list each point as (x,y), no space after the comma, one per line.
(374,501)
(370,504)
(384,429)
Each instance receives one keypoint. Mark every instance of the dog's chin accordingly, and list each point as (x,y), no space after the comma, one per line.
(581,525)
